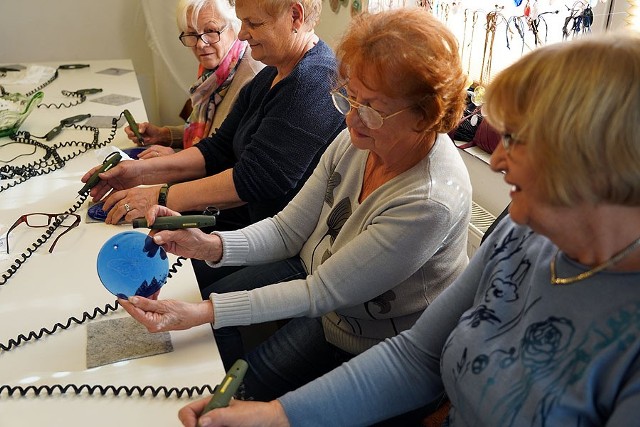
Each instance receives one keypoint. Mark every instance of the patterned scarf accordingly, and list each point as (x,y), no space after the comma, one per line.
(207,93)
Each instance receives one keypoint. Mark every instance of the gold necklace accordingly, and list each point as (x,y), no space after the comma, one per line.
(555,280)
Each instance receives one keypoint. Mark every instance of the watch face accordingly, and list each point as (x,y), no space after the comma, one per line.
(130,263)
(162,197)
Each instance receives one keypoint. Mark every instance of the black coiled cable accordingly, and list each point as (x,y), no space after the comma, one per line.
(33,335)
(50,390)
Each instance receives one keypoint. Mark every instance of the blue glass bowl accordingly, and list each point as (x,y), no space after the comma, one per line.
(133,152)
(96,212)
(130,263)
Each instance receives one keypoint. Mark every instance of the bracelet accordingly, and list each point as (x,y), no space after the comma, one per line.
(162,197)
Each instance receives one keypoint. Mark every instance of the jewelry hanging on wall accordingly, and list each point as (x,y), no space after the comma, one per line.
(424,4)
(464,35)
(474,21)
(493,19)
(446,9)
(359,6)
(519,24)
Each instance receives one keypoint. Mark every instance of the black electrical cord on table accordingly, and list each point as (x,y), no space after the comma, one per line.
(50,390)
(80,98)
(129,391)
(52,161)
(39,168)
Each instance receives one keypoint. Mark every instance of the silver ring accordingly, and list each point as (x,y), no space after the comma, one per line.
(127,207)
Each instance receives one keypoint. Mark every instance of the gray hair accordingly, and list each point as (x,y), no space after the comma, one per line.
(223,8)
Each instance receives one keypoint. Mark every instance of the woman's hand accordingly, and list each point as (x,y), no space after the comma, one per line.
(130,204)
(168,315)
(237,414)
(125,174)
(188,242)
(152,134)
(155,151)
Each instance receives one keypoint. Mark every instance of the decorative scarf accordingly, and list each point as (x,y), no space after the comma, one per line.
(208,91)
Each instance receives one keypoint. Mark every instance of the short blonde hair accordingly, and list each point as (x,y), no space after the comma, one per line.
(576,105)
(223,8)
(407,53)
(275,8)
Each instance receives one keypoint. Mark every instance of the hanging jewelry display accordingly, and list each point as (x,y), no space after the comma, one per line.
(579,21)
(519,24)
(492,22)
(464,35)
(359,6)
(474,21)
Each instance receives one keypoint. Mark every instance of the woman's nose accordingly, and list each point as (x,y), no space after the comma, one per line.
(498,159)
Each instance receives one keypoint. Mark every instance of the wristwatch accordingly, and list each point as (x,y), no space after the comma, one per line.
(162,197)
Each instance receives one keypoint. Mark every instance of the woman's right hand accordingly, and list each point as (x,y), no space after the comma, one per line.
(125,174)
(155,151)
(152,134)
(188,242)
(238,414)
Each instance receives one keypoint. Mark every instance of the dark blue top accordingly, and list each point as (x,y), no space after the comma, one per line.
(274,137)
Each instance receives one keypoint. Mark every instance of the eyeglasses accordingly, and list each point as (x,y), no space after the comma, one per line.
(370,117)
(208,37)
(37,220)
(509,140)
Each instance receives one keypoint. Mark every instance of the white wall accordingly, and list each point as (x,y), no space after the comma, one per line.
(73,30)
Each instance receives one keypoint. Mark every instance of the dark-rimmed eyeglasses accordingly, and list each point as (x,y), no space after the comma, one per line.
(509,140)
(208,37)
(370,117)
(39,219)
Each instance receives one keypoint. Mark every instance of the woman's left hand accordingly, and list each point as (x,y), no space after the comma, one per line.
(155,151)
(168,315)
(130,204)
(238,414)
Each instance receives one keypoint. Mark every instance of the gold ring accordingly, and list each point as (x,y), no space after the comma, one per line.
(127,207)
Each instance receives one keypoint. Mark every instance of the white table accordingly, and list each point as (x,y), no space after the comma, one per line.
(50,288)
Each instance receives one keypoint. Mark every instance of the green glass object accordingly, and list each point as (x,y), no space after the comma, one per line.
(14,109)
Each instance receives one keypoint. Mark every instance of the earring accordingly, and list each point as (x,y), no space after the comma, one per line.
(295,31)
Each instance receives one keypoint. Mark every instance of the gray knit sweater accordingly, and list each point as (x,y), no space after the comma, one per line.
(373,267)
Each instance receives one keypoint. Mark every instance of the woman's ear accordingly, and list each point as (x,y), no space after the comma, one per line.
(297,16)
(424,122)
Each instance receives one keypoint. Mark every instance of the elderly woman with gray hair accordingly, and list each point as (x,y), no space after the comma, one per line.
(210,29)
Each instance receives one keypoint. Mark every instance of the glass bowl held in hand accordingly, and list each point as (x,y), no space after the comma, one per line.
(130,264)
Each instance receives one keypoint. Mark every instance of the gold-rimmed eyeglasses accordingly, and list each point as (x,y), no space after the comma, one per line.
(39,219)
(509,140)
(370,117)
(208,37)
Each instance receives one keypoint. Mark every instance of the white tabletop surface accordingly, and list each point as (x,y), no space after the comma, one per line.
(51,288)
